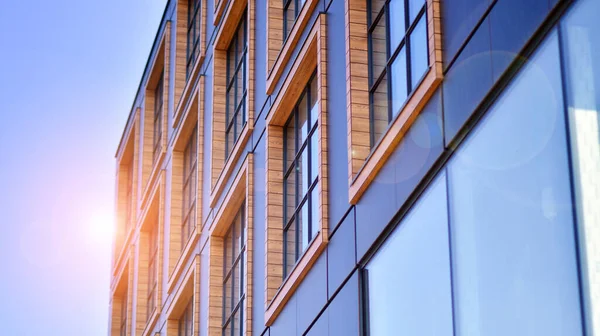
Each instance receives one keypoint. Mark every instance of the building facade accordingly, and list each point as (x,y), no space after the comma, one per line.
(362,167)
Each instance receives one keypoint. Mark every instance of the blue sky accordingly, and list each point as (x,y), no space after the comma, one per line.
(69,70)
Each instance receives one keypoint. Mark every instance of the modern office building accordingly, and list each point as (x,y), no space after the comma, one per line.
(363,167)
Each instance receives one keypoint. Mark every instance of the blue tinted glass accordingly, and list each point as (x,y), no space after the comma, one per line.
(514,262)
(414,7)
(397,23)
(419,61)
(409,277)
(399,82)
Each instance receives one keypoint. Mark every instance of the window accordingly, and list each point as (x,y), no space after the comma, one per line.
(190,158)
(157,123)
(152,271)
(291,9)
(398,57)
(236,86)
(301,199)
(129,197)
(193,35)
(234,243)
(123,324)
(407,281)
(186,322)
(512,233)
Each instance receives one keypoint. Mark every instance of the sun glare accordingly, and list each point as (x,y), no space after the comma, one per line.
(101,227)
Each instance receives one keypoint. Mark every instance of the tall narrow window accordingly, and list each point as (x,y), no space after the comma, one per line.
(291,9)
(301,195)
(152,270)
(158,107)
(398,57)
(193,35)
(129,200)
(186,322)
(233,284)
(189,188)
(236,86)
(123,326)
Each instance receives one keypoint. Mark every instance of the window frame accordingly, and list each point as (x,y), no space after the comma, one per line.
(232,84)
(307,198)
(157,120)
(365,160)
(194,24)
(152,270)
(312,55)
(228,318)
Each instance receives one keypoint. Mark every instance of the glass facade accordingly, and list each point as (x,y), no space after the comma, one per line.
(233,277)
(300,181)
(512,253)
(236,86)
(398,57)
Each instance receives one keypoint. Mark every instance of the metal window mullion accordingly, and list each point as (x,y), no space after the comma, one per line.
(407,43)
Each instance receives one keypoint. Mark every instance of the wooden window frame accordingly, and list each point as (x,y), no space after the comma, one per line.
(222,165)
(188,289)
(312,56)
(365,162)
(151,165)
(186,77)
(280,49)
(240,194)
(127,157)
(151,218)
(193,118)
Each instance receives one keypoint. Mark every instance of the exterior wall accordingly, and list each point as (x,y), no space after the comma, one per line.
(481,39)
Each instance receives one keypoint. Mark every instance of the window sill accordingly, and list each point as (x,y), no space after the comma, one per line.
(291,283)
(185,253)
(230,162)
(394,134)
(289,45)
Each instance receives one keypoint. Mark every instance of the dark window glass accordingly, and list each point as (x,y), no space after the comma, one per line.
(152,269)
(186,321)
(291,10)
(157,122)
(408,280)
(123,326)
(235,113)
(190,158)
(194,28)
(300,177)
(398,57)
(233,280)
(459,18)
(513,241)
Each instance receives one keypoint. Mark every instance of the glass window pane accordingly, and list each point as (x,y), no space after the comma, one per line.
(302,118)
(399,91)
(289,18)
(414,6)
(227,330)
(303,172)
(513,245)
(397,23)
(227,297)
(581,42)
(418,52)
(378,50)
(379,109)
(236,321)
(314,156)
(237,292)
(290,248)
(314,111)
(239,84)
(315,216)
(304,224)
(408,279)
(290,142)
(290,192)
(376,6)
